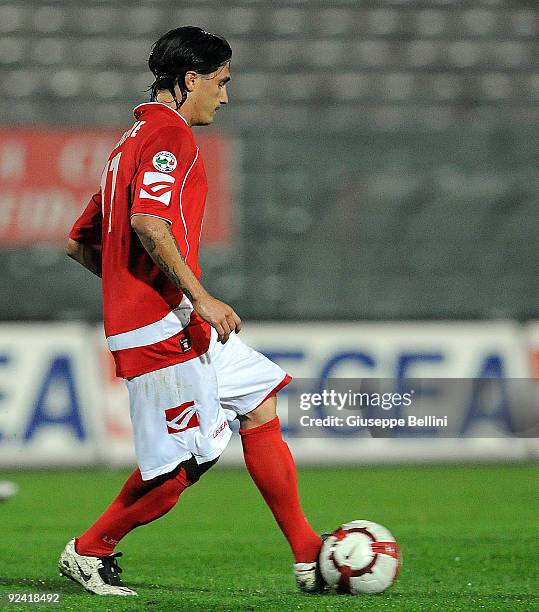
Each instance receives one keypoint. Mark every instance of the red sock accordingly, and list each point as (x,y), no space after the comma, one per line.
(138,503)
(272,468)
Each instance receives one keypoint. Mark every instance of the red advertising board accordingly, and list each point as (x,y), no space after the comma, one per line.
(48,176)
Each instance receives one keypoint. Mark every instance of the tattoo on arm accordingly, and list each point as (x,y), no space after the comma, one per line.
(175,276)
(150,246)
(175,243)
(148,242)
(187,293)
(170,272)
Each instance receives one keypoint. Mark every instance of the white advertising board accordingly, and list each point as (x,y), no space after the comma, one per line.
(374,350)
(61,404)
(114,406)
(437,350)
(49,393)
(393,350)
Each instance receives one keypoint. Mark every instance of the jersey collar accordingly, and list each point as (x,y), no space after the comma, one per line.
(138,109)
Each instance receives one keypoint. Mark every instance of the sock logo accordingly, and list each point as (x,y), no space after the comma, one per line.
(181,418)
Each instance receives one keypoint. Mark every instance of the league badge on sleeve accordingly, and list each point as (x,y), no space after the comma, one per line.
(164,161)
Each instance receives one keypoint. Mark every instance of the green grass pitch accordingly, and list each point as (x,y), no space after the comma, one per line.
(468,534)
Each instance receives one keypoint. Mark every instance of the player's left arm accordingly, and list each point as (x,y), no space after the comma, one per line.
(84,242)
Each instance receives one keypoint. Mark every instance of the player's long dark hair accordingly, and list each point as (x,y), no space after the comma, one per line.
(183,49)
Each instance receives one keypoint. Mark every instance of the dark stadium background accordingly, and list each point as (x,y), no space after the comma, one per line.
(387,149)
(378,164)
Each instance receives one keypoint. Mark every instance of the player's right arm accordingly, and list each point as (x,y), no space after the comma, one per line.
(156,237)
(84,242)
(88,255)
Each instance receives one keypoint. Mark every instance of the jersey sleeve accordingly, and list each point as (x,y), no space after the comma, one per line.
(87,227)
(166,159)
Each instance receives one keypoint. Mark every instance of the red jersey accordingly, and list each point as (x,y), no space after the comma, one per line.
(155,169)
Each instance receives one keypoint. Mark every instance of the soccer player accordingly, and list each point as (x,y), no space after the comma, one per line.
(176,345)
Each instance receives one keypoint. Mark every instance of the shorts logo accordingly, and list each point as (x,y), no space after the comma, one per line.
(181,418)
(164,161)
(220,429)
(160,186)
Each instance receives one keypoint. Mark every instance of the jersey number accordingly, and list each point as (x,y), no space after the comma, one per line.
(111,166)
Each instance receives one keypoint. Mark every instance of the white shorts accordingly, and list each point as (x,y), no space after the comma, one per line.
(183,410)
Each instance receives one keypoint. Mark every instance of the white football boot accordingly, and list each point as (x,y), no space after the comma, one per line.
(308,576)
(99,575)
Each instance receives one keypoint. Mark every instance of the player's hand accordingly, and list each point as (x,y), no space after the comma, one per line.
(219,315)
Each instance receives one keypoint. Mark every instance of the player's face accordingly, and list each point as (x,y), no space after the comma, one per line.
(208,95)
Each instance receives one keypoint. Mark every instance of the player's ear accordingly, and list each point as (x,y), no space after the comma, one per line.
(190,79)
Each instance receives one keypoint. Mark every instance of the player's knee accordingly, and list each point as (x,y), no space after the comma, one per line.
(195,470)
(261,415)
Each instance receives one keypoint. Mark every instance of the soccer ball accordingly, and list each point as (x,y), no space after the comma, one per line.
(7,489)
(360,557)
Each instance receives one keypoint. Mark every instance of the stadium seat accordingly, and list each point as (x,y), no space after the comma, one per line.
(48,19)
(524,23)
(479,22)
(431,22)
(12,50)
(50,51)
(335,21)
(99,20)
(240,20)
(12,18)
